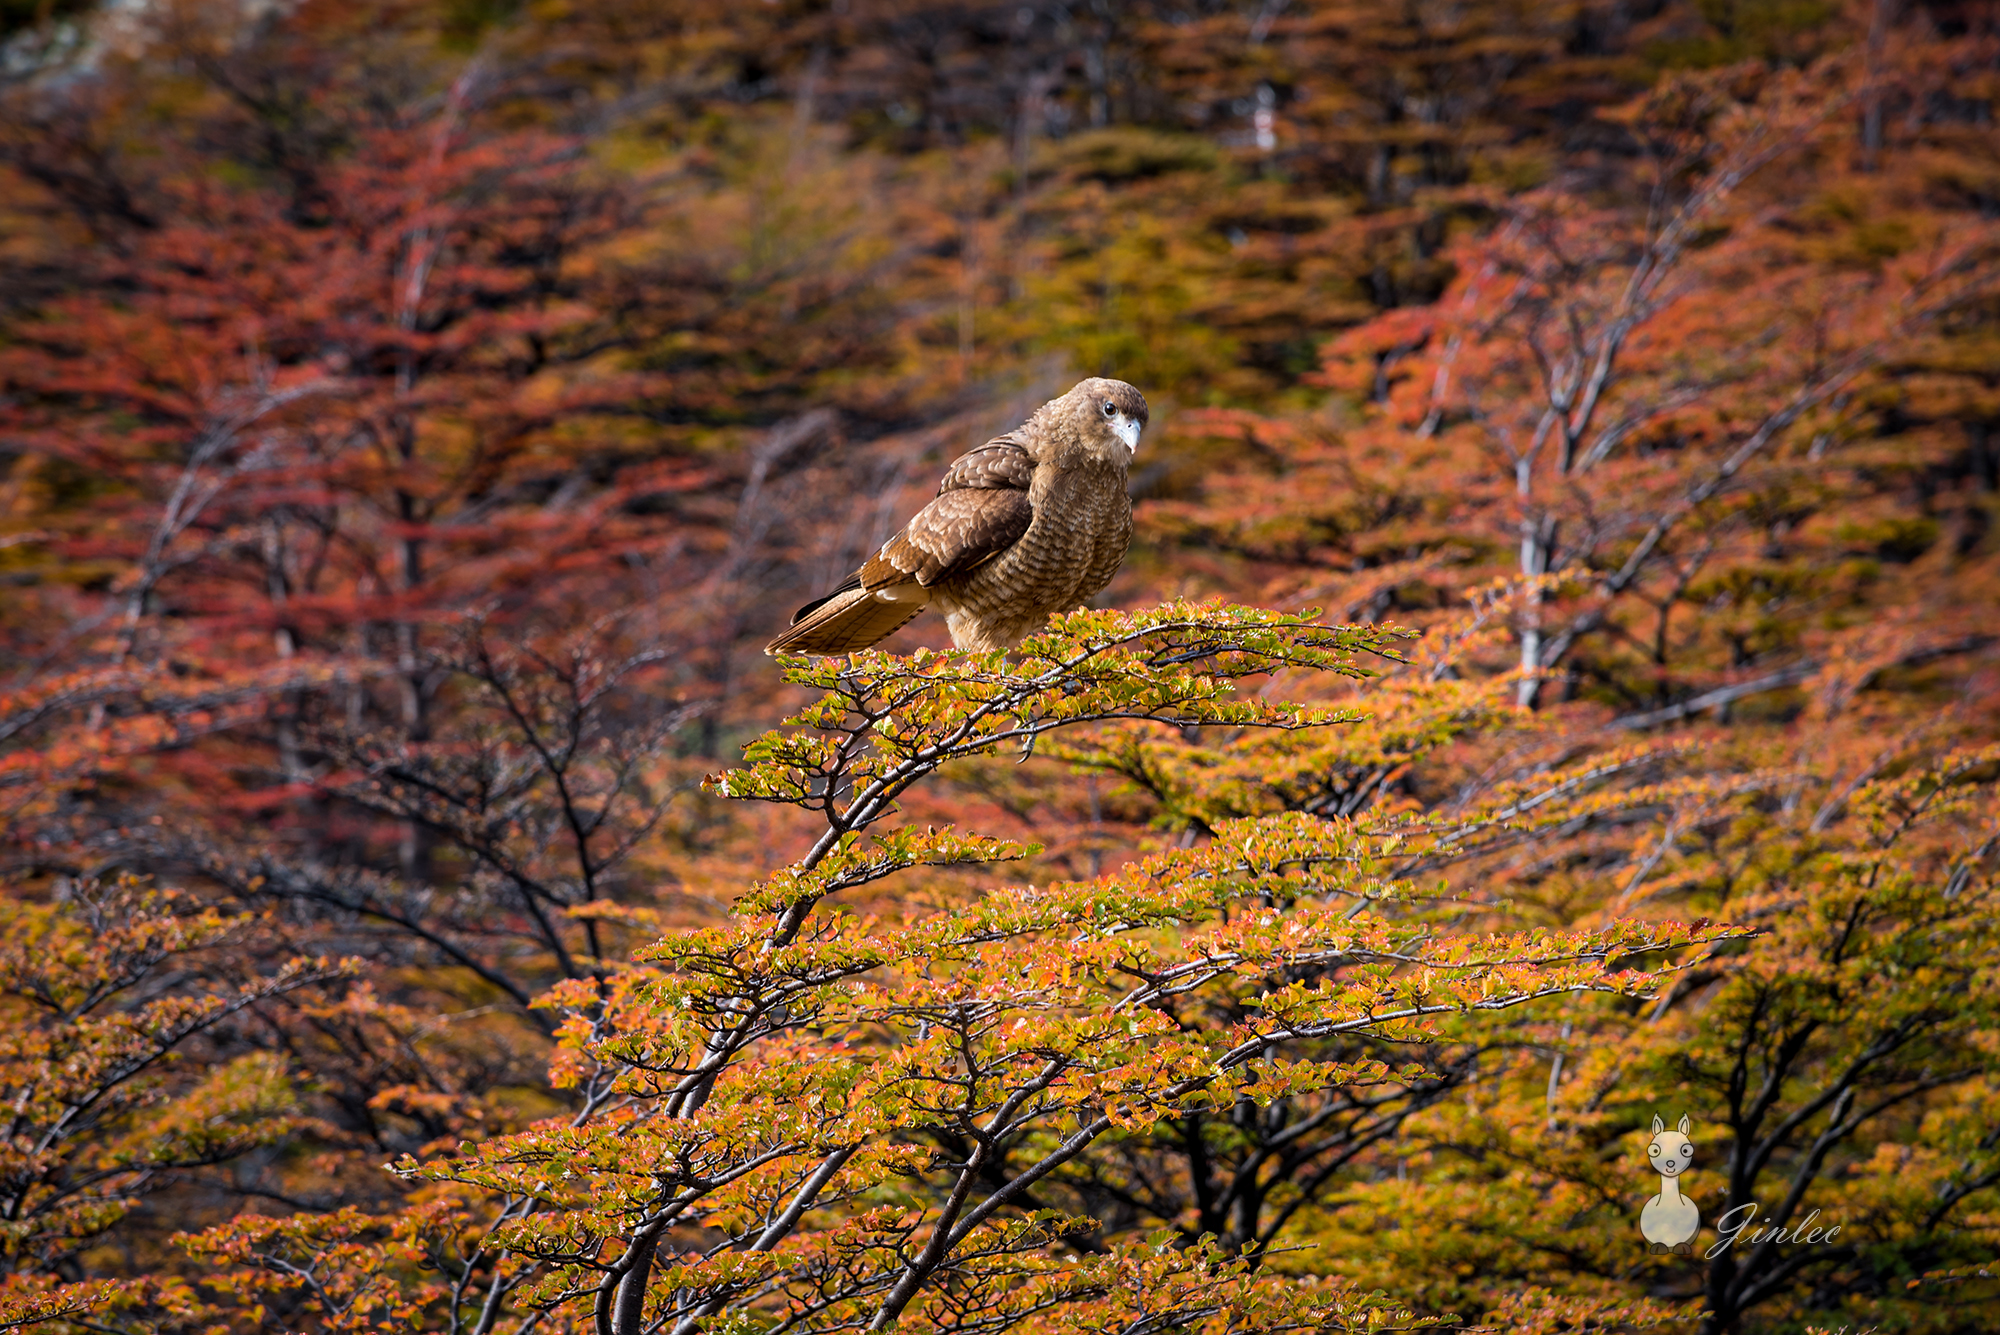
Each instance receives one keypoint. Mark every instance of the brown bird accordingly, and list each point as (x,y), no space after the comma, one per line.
(1032,522)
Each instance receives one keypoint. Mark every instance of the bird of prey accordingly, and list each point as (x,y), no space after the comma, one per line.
(1032,522)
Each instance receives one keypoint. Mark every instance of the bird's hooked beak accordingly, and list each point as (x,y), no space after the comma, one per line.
(1127,429)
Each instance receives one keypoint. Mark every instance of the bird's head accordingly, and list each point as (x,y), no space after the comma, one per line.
(1107,416)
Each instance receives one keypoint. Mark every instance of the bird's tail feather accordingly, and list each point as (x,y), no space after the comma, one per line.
(851,619)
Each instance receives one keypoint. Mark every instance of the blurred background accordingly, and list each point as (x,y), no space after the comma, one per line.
(415,417)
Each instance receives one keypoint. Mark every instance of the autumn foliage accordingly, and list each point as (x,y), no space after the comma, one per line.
(1553,685)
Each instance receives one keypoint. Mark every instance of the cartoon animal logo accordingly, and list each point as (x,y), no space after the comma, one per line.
(1670,1220)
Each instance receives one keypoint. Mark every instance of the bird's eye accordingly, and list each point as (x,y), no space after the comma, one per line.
(1110,408)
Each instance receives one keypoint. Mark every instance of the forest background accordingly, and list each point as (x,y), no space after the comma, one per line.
(415,416)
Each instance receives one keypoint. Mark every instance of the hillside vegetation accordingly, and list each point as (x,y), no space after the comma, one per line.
(1555,684)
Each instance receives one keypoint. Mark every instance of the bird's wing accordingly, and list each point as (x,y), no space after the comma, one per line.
(959,531)
(998,465)
(981,510)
